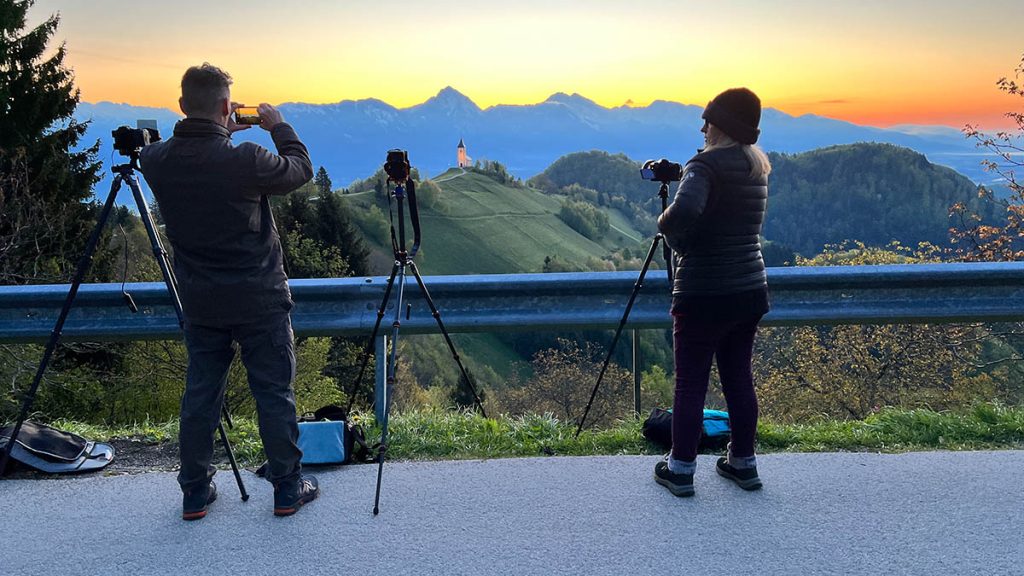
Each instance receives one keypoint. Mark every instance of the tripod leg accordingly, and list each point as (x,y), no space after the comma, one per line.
(83,266)
(392,359)
(373,337)
(618,331)
(447,338)
(171,282)
(670,265)
(231,458)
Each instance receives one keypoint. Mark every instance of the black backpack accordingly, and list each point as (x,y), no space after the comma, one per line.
(714,434)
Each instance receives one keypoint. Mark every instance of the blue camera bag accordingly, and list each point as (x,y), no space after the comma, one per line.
(323,442)
(325,437)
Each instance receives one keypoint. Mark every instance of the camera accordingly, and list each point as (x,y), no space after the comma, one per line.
(128,141)
(248,115)
(397,166)
(661,171)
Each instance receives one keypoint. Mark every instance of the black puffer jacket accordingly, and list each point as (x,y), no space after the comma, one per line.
(713,225)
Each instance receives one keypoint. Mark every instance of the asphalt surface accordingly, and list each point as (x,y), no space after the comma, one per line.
(918,513)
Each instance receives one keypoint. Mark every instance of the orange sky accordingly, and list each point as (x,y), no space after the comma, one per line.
(871,62)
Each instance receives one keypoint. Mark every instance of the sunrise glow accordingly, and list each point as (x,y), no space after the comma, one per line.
(877,63)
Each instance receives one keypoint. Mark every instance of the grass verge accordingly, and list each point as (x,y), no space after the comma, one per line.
(444,435)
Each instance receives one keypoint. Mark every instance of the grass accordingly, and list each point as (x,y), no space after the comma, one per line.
(983,426)
(444,435)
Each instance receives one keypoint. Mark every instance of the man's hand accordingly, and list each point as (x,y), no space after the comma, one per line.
(232,126)
(270,116)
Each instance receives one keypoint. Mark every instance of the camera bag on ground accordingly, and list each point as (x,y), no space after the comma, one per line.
(55,451)
(714,434)
(327,437)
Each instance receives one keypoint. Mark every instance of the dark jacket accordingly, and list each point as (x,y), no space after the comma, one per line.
(713,225)
(212,196)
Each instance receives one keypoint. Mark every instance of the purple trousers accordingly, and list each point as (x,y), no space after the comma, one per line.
(696,343)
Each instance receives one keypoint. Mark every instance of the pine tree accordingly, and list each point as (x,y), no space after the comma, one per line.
(45,185)
(334,227)
(323,181)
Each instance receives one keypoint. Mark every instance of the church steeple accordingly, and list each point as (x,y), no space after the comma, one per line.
(460,154)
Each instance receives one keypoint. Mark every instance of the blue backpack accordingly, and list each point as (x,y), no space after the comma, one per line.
(714,435)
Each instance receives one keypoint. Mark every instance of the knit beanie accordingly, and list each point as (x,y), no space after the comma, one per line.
(737,112)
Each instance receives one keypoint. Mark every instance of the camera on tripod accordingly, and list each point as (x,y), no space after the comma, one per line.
(661,171)
(129,141)
(397,166)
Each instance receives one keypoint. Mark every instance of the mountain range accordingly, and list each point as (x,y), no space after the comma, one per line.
(351,138)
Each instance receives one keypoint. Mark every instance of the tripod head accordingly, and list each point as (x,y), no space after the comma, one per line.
(663,194)
(399,171)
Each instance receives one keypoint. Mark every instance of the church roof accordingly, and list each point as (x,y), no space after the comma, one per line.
(461,145)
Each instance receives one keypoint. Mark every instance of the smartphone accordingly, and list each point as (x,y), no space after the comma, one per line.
(247,115)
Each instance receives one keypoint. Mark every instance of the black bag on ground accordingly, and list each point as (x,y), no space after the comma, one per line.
(326,437)
(657,428)
(48,449)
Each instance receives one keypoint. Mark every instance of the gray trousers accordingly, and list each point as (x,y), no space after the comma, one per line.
(268,353)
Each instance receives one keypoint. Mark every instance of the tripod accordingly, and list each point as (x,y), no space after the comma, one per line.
(403,259)
(667,254)
(124,173)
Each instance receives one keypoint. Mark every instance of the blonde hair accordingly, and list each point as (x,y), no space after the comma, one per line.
(760,166)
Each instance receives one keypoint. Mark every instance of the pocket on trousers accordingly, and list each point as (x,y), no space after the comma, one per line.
(283,340)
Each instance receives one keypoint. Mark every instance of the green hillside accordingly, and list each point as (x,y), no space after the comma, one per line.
(472,224)
(479,226)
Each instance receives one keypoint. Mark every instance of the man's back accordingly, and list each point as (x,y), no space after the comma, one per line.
(212,197)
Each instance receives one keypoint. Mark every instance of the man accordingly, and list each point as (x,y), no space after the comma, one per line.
(213,198)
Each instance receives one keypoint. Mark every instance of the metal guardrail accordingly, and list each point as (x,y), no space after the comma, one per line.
(892,294)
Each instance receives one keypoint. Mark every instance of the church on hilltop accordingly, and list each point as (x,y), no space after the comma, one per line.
(460,155)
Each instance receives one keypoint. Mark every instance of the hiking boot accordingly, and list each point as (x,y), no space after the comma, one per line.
(292,495)
(745,478)
(195,502)
(678,484)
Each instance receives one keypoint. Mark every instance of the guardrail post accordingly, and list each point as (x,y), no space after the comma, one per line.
(381,383)
(636,371)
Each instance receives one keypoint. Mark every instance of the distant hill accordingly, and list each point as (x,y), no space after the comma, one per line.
(875,193)
(350,138)
(475,225)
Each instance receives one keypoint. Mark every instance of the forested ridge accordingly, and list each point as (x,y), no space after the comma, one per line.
(873,193)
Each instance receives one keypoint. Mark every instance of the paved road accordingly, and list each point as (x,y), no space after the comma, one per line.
(919,513)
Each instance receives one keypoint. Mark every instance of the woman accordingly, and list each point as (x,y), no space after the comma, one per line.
(719,293)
